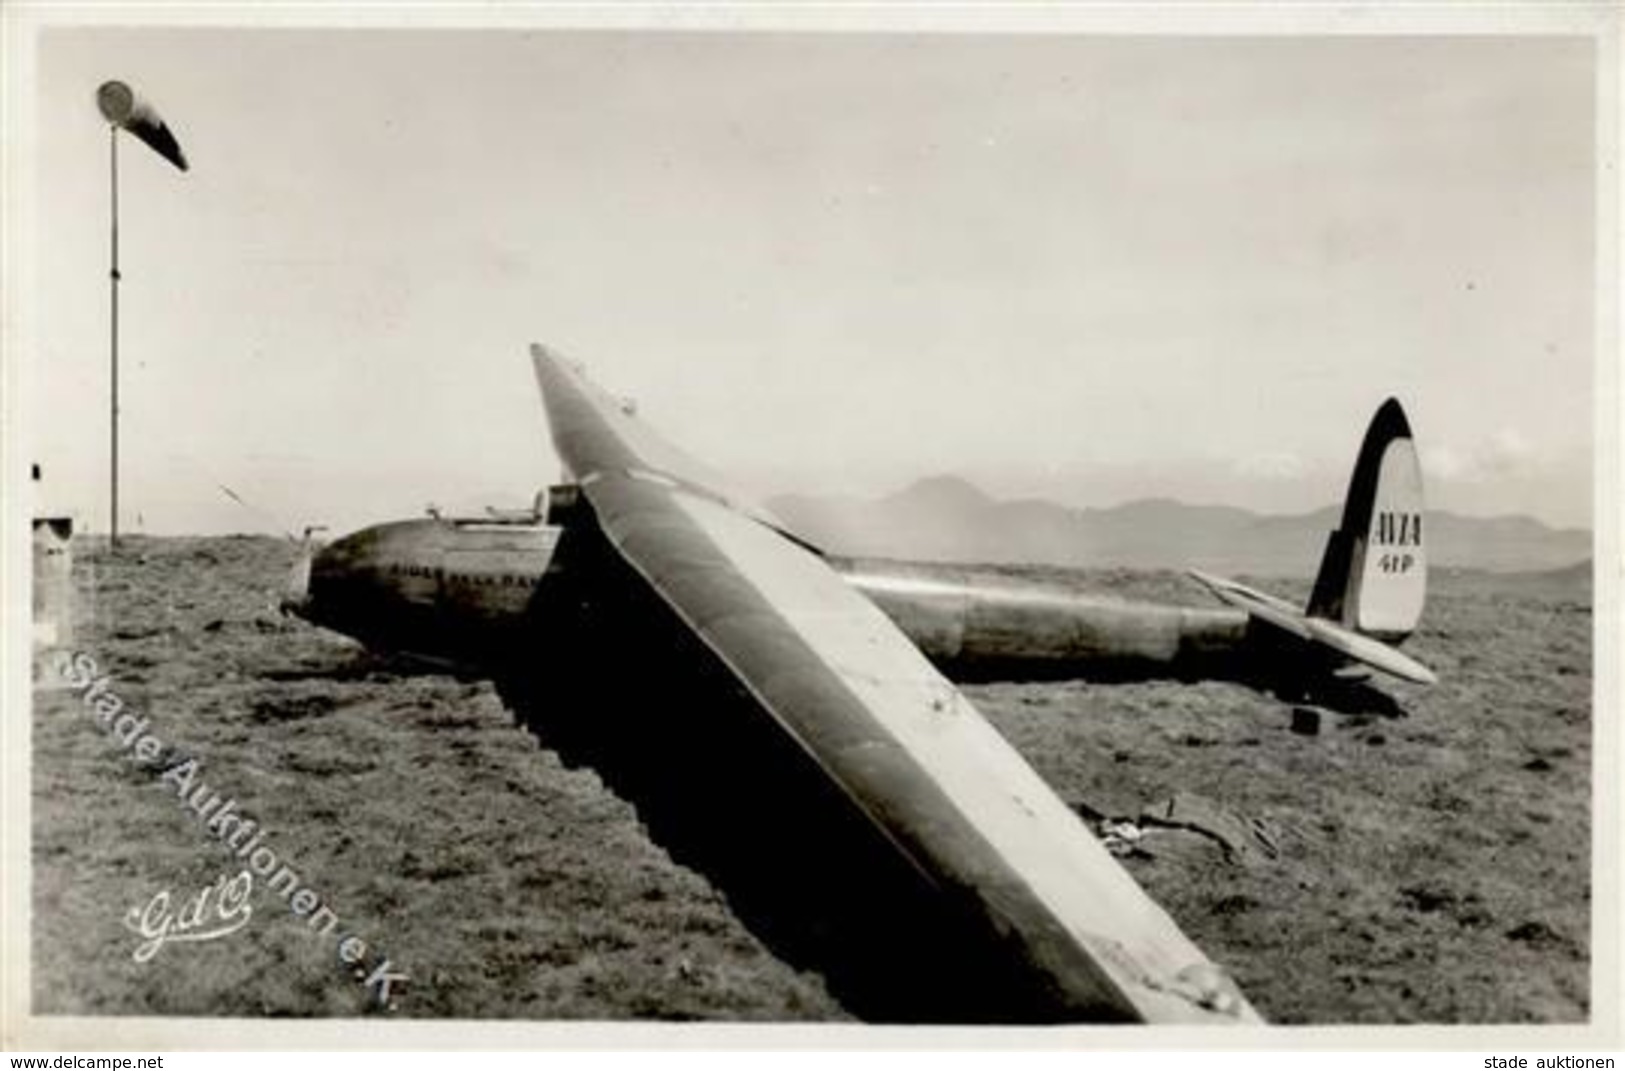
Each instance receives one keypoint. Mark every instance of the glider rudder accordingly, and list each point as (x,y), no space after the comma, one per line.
(1373,576)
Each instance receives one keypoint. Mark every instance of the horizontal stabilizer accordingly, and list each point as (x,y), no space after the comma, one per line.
(1319,631)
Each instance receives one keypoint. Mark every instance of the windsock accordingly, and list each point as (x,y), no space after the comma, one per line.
(122,108)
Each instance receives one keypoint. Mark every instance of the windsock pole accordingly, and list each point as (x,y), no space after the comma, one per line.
(123,110)
(112,279)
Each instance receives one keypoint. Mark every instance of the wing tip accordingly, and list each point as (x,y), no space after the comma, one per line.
(1207,580)
(542,354)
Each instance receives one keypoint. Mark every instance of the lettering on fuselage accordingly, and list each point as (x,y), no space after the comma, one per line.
(1397,530)
(436,572)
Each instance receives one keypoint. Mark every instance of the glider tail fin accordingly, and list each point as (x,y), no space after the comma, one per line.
(1373,576)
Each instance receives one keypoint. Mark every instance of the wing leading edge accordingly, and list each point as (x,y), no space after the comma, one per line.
(898,739)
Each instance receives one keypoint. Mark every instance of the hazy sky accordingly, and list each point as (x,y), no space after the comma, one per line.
(1094,268)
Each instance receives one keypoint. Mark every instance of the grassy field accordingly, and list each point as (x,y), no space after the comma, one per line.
(1420,861)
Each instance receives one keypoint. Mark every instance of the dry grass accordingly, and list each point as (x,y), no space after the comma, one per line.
(504,884)
(1432,867)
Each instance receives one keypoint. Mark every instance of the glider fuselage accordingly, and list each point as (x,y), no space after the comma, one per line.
(458,590)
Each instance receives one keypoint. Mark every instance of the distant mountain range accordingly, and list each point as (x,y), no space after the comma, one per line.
(946,518)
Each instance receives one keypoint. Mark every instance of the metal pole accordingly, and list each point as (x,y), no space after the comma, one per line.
(113,278)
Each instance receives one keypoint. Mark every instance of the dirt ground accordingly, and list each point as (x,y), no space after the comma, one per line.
(1424,860)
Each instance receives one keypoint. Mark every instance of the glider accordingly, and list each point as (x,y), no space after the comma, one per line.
(458,590)
(833,682)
